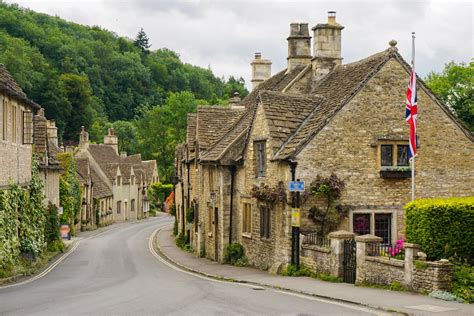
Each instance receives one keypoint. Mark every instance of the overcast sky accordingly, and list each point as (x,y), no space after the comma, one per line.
(225,34)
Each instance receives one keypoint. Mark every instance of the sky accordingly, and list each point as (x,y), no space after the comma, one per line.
(224,35)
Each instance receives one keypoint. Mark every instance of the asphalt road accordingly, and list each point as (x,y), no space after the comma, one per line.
(115,273)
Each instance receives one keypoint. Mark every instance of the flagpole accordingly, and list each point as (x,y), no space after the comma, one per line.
(413,158)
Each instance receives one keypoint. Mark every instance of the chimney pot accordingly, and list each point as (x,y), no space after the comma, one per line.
(258,55)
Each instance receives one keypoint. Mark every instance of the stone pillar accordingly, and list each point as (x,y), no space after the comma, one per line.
(337,250)
(363,246)
(411,251)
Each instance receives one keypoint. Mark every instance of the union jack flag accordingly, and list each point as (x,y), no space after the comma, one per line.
(411,112)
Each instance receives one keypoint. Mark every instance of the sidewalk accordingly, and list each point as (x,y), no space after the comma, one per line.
(405,302)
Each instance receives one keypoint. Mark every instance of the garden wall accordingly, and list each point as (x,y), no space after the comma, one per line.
(318,259)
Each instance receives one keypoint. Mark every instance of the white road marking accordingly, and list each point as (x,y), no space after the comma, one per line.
(308,297)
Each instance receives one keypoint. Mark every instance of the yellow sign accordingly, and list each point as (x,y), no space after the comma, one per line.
(295,217)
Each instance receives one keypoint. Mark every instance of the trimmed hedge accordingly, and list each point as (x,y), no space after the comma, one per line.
(444,228)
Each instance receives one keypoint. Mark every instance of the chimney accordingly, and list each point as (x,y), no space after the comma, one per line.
(123,154)
(111,139)
(83,139)
(52,131)
(261,70)
(299,46)
(326,46)
(234,102)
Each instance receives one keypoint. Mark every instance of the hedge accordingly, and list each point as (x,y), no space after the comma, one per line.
(444,228)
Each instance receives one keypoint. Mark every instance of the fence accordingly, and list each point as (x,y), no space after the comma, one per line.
(396,251)
(316,240)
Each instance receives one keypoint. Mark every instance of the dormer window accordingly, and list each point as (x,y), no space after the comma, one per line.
(261,158)
(132,179)
(119,180)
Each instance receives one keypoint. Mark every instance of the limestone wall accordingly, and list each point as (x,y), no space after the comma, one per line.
(383,271)
(318,259)
(430,276)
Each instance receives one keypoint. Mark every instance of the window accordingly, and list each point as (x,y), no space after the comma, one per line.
(265,222)
(132,179)
(247,218)
(119,180)
(27,127)
(261,157)
(209,217)
(383,227)
(196,216)
(132,205)
(4,119)
(119,206)
(13,111)
(394,155)
(361,224)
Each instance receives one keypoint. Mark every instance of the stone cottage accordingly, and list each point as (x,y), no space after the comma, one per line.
(114,185)
(16,131)
(316,118)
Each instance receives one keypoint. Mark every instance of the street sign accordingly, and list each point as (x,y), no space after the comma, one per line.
(295,217)
(65,232)
(296,186)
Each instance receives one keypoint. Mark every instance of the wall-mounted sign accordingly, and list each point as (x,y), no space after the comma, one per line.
(295,217)
(296,186)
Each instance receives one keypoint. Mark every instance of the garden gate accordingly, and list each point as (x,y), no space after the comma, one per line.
(349,263)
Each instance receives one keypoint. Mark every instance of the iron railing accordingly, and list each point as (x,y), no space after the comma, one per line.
(396,251)
(316,239)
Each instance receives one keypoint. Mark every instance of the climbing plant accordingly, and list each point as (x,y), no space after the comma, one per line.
(69,191)
(32,215)
(266,193)
(329,189)
(9,242)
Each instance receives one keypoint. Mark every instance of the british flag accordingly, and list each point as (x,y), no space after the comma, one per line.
(411,112)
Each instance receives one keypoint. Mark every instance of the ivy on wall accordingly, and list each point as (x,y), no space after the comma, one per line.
(69,191)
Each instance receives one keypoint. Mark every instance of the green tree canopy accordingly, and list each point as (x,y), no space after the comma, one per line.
(455,86)
(141,40)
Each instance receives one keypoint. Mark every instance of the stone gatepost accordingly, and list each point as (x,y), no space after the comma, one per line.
(337,251)
(411,251)
(363,246)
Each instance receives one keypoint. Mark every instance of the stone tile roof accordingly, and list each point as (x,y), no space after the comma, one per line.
(82,170)
(150,166)
(337,88)
(101,189)
(9,86)
(213,121)
(191,130)
(238,133)
(285,112)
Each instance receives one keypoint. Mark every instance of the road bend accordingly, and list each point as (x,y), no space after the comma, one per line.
(115,273)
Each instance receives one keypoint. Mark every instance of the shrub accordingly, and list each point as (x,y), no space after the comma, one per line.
(175,227)
(463,282)
(233,253)
(442,227)
(51,230)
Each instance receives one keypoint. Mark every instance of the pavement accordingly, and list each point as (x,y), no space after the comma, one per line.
(391,301)
(117,272)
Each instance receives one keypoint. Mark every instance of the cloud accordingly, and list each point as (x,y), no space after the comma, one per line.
(225,34)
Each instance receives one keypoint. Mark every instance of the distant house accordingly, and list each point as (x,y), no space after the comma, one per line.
(114,185)
(317,117)
(16,131)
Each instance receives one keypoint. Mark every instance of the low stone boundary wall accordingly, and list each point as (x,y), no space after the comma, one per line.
(318,259)
(414,274)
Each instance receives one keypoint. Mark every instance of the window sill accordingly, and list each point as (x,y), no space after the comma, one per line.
(265,239)
(395,173)
(247,235)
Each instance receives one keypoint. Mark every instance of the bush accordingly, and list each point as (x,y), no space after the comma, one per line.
(463,282)
(175,227)
(56,246)
(291,270)
(442,227)
(233,253)
(51,230)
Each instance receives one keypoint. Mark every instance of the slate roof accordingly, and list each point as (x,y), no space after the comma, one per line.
(9,86)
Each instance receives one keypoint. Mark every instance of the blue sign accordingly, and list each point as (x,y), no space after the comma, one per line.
(296,186)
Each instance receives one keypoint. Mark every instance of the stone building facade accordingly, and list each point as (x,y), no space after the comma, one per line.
(318,117)
(114,185)
(16,131)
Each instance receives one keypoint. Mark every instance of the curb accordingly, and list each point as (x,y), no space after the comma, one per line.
(222,278)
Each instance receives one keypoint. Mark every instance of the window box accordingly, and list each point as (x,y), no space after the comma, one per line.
(395,173)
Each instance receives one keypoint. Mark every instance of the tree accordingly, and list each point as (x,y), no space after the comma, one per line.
(455,86)
(141,41)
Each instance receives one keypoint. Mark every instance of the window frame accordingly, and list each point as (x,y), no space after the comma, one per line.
(265,222)
(395,159)
(246,219)
(27,132)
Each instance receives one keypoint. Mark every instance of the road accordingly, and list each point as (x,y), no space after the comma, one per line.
(115,273)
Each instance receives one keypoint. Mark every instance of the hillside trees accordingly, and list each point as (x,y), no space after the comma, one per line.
(58,63)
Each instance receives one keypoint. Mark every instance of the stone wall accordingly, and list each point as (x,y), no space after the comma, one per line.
(383,271)
(429,276)
(318,259)
(15,157)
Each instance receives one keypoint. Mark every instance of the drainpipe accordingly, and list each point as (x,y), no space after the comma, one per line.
(295,231)
(232,175)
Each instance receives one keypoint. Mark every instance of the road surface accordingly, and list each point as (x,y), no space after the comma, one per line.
(115,273)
